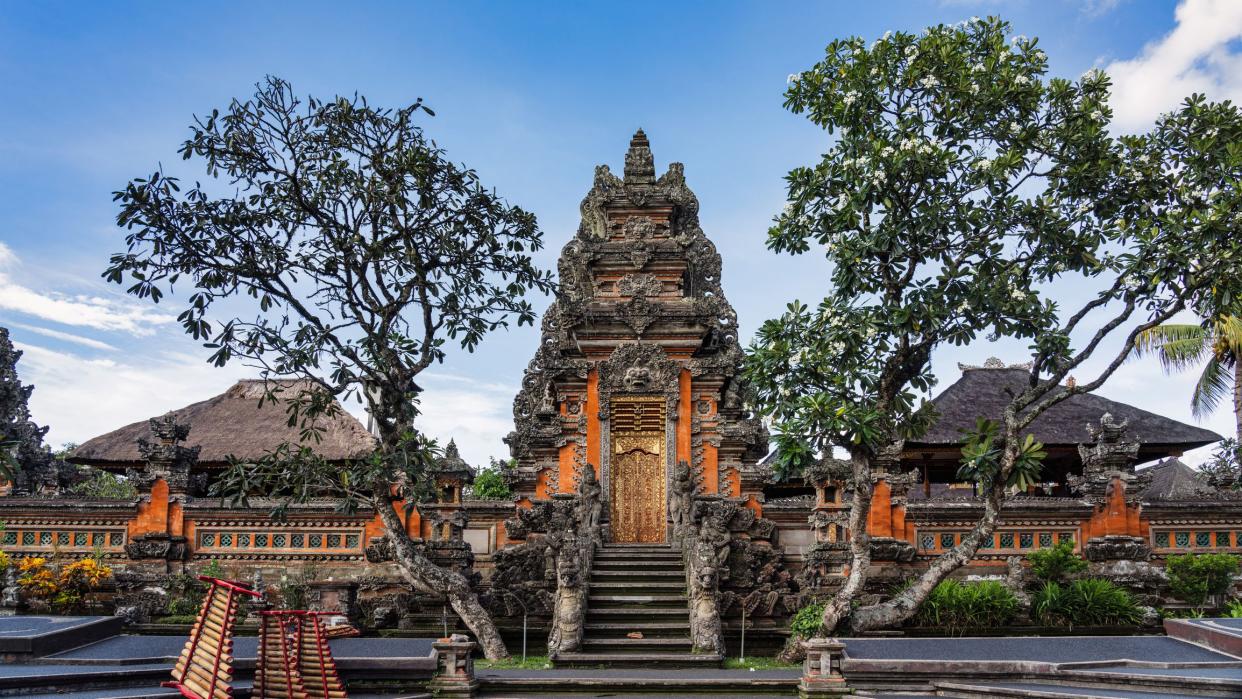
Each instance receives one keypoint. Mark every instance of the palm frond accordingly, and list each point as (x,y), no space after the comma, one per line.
(1179,346)
(1214,385)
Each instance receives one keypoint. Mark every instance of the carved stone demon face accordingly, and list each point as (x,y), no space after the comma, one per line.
(637,378)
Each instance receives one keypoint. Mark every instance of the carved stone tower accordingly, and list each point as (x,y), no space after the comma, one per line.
(638,365)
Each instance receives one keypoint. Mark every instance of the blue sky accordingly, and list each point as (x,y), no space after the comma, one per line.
(532,95)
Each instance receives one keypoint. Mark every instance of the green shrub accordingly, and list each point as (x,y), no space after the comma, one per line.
(1086,602)
(182,606)
(1196,576)
(954,605)
(102,484)
(1233,610)
(807,621)
(490,484)
(1056,563)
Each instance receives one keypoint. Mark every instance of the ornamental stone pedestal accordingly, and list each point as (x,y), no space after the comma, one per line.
(821,671)
(454,668)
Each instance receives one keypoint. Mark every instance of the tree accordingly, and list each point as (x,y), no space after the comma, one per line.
(962,187)
(24,458)
(350,253)
(1216,345)
(492,483)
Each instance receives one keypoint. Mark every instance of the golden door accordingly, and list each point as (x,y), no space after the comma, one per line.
(636,475)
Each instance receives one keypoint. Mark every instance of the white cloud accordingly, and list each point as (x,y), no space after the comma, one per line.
(8,258)
(80,397)
(67,337)
(476,414)
(1095,8)
(1197,56)
(80,310)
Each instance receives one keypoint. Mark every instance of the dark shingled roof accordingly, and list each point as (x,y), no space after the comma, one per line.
(984,392)
(232,424)
(1173,480)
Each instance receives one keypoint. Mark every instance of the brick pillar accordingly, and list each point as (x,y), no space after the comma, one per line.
(454,668)
(821,671)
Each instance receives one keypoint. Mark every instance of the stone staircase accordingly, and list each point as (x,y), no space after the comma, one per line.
(639,589)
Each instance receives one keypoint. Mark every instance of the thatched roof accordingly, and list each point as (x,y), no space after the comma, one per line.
(1173,480)
(233,424)
(986,391)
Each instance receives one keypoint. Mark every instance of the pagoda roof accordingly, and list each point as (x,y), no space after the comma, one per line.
(451,464)
(986,391)
(234,424)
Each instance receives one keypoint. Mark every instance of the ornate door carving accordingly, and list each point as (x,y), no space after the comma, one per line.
(636,476)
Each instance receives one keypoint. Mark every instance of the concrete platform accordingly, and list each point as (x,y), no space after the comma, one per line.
(23,637)
(1222,635)
(1045,649)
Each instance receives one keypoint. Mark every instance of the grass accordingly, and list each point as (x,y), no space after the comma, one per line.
(758,664)
(515,662)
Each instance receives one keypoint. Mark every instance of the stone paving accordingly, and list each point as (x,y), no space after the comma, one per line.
(119,649)
(1048,649)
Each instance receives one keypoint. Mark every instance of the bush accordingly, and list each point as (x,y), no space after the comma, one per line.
(492,483)
(1086,602)
(1056,563)
(1196,576)
(1233,610)
(807,621)
(954,605)
(64,589)
(105,485)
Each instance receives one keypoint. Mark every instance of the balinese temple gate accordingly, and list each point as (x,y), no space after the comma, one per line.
(637,369)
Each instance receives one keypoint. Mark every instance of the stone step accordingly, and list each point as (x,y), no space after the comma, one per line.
(600,614)
(638,555)
(639,601)
(644,660)
(638,566)
(610,574)
(650,683)
(636,645)
(658,586)
(648,630)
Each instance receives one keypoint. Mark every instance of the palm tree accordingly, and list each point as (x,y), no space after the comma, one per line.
(1217,345)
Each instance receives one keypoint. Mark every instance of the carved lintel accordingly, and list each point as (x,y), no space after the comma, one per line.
(158,546)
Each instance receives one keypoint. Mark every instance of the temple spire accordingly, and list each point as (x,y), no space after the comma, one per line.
(639,164)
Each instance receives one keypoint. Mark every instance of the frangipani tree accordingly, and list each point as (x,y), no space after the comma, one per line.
(347,252)
(963,187)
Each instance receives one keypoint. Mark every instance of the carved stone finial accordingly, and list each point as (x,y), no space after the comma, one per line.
(1110,454)
(993,363)
(167,458)
(639,163)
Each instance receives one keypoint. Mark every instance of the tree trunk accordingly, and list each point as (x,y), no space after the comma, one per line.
(906,604)
(1237,396)
(431,578)
(860,546)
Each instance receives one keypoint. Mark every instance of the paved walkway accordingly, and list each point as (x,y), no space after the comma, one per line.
(1047,649)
